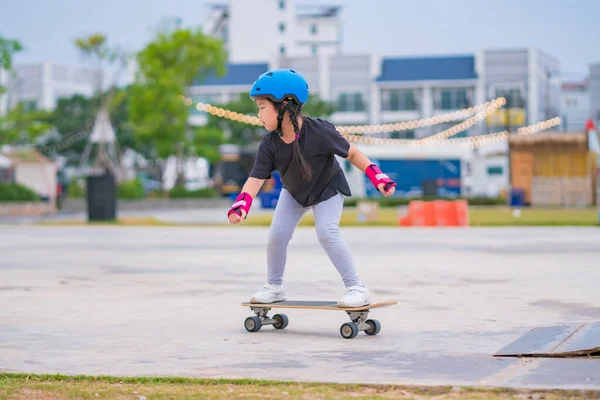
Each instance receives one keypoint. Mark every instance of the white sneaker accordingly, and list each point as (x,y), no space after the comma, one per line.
(356,296)
(269,294)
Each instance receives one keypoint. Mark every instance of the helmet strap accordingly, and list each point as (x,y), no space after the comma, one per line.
(281,109)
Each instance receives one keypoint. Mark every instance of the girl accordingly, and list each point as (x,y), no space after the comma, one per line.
(302,150)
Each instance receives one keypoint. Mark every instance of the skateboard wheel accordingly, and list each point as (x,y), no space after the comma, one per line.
(253,324)
(349,330)
(281,321)
(374,327)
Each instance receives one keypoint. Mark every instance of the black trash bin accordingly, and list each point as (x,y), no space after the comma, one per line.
(430,188)
(101,197)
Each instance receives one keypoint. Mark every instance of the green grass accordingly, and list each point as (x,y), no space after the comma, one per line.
(26,386)
(534,217)
(478,216)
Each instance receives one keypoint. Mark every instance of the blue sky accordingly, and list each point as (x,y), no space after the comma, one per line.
(569,30)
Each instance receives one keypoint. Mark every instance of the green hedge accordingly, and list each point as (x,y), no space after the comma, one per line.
(76,188)
(132,189)
(399,201)
(16,192)
(179,192)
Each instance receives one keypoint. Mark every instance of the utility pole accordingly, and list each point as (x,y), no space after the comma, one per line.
(548,77)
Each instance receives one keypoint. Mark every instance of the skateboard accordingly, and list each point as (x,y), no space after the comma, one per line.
(349,330)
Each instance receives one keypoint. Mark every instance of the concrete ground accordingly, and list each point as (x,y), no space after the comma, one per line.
(166,301)
(174,216)
(180,216)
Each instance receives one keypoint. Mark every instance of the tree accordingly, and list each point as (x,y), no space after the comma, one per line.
(206,143)
(244,134)
(76,114)
(22,126)
(101,58)
(167,66)
(8,47)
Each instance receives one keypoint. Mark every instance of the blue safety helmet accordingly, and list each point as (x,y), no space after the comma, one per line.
(280,84)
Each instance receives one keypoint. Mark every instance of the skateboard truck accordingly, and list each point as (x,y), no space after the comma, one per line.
(253,324)
(359,322)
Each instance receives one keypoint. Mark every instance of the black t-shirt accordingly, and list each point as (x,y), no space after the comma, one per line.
(319,143)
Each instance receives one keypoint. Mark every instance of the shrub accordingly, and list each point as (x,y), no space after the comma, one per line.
(16,192)
(180,192)
(131,189)
(76,188)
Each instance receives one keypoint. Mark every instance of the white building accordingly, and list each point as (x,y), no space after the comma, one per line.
(410,88)
(574,105)
(38,86)
(264,30)
(529,80)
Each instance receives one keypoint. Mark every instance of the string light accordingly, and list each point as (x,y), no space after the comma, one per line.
(493,107)
(356,133)
(422,123)
(472,141)
(64,144)
(364,129)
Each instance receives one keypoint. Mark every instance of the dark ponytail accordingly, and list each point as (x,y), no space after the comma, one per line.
(295,111)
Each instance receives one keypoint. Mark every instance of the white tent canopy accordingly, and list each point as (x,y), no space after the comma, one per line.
(103,131)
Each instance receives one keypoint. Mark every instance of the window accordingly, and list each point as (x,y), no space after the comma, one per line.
(281,27)
(495,170)
(342,102)
(452,99)
(359,104)
(398,100)
(313,29)
(282,50)
(314,49)
(348,102)
(462,100)
(514,98)
(443,127)
(409,134)
(571,102)
(282,4)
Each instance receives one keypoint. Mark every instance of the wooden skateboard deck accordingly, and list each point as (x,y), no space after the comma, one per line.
(317,305)
(349,330)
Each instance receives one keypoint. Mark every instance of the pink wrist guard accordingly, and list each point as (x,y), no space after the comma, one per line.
(377,177)
(242,202)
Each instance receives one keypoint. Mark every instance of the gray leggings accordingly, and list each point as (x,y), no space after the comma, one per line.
(288,214)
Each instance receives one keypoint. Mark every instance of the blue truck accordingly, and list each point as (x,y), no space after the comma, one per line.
(420,177)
